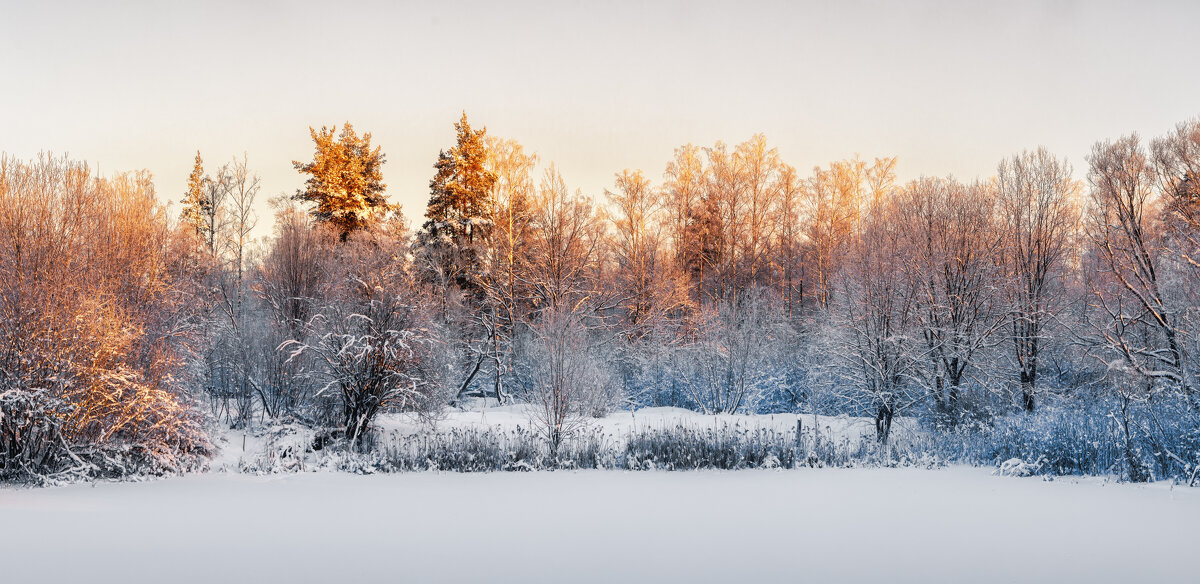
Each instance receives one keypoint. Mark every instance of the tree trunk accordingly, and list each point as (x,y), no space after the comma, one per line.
(883,423)
(1027,391)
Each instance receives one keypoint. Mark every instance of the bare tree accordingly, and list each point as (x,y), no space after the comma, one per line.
(650,285)
(833,200)
(372,338)
(566,381)
(564,256)
(952,247)
(1039,217)
(291,283)
(511,201)
(760,166)
(880,320)
(563,271)
(1139,322)
(788,241)
(244,187)
(240,219)
(217,189)
(1177,170)
(728,364)
(684,185)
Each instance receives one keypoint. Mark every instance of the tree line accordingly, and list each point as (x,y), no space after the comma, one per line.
(735,283)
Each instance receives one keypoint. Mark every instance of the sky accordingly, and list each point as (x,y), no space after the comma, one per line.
(950,88)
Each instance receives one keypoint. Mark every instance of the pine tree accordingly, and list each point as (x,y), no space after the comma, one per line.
(460,188)
(345,182)
(196,203)
(458,216)
(704,245)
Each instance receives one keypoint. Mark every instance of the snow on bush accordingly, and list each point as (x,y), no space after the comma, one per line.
(1015,467)
(507,439)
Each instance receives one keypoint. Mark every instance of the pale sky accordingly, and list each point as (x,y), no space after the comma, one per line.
(948,87)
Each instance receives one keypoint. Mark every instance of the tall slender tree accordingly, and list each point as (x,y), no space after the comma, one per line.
(195,200)
(452,247)
(457,218)
(459,191)
(1039,216)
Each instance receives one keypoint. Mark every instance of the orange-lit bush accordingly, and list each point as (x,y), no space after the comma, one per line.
(94,319)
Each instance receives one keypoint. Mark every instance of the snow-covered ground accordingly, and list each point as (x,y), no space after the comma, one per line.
(828,525)
(952,524)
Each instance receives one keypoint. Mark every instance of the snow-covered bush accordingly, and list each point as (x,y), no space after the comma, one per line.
(1015,467)
(1081,439)
(469,450)
(563,376)
(370,342)
(733,360)
(31,436)
(96,319)
(495,449)
(725,447)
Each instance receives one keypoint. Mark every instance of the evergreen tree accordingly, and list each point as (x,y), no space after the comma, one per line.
(703,247)
(196,203)
(346,181)
(460,187)
(457,218)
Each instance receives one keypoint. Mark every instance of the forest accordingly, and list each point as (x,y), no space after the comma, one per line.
(1046,313)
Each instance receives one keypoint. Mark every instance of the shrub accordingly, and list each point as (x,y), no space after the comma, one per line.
(1164,441)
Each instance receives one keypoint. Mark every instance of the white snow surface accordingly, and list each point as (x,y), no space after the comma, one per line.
(953,524)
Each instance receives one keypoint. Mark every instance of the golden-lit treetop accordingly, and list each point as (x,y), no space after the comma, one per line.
(345,179)
(463,182)
(195,202)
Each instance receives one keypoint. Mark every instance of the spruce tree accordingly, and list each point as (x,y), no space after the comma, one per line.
(196,203)
(461,185)
(345,181)
(457,218)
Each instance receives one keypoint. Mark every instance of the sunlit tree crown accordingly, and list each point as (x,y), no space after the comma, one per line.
(462,183)
(195,201)
(345,179)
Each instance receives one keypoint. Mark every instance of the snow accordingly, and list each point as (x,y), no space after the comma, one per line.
(954,524)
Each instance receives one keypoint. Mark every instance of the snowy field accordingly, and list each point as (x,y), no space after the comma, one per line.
(829,525)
